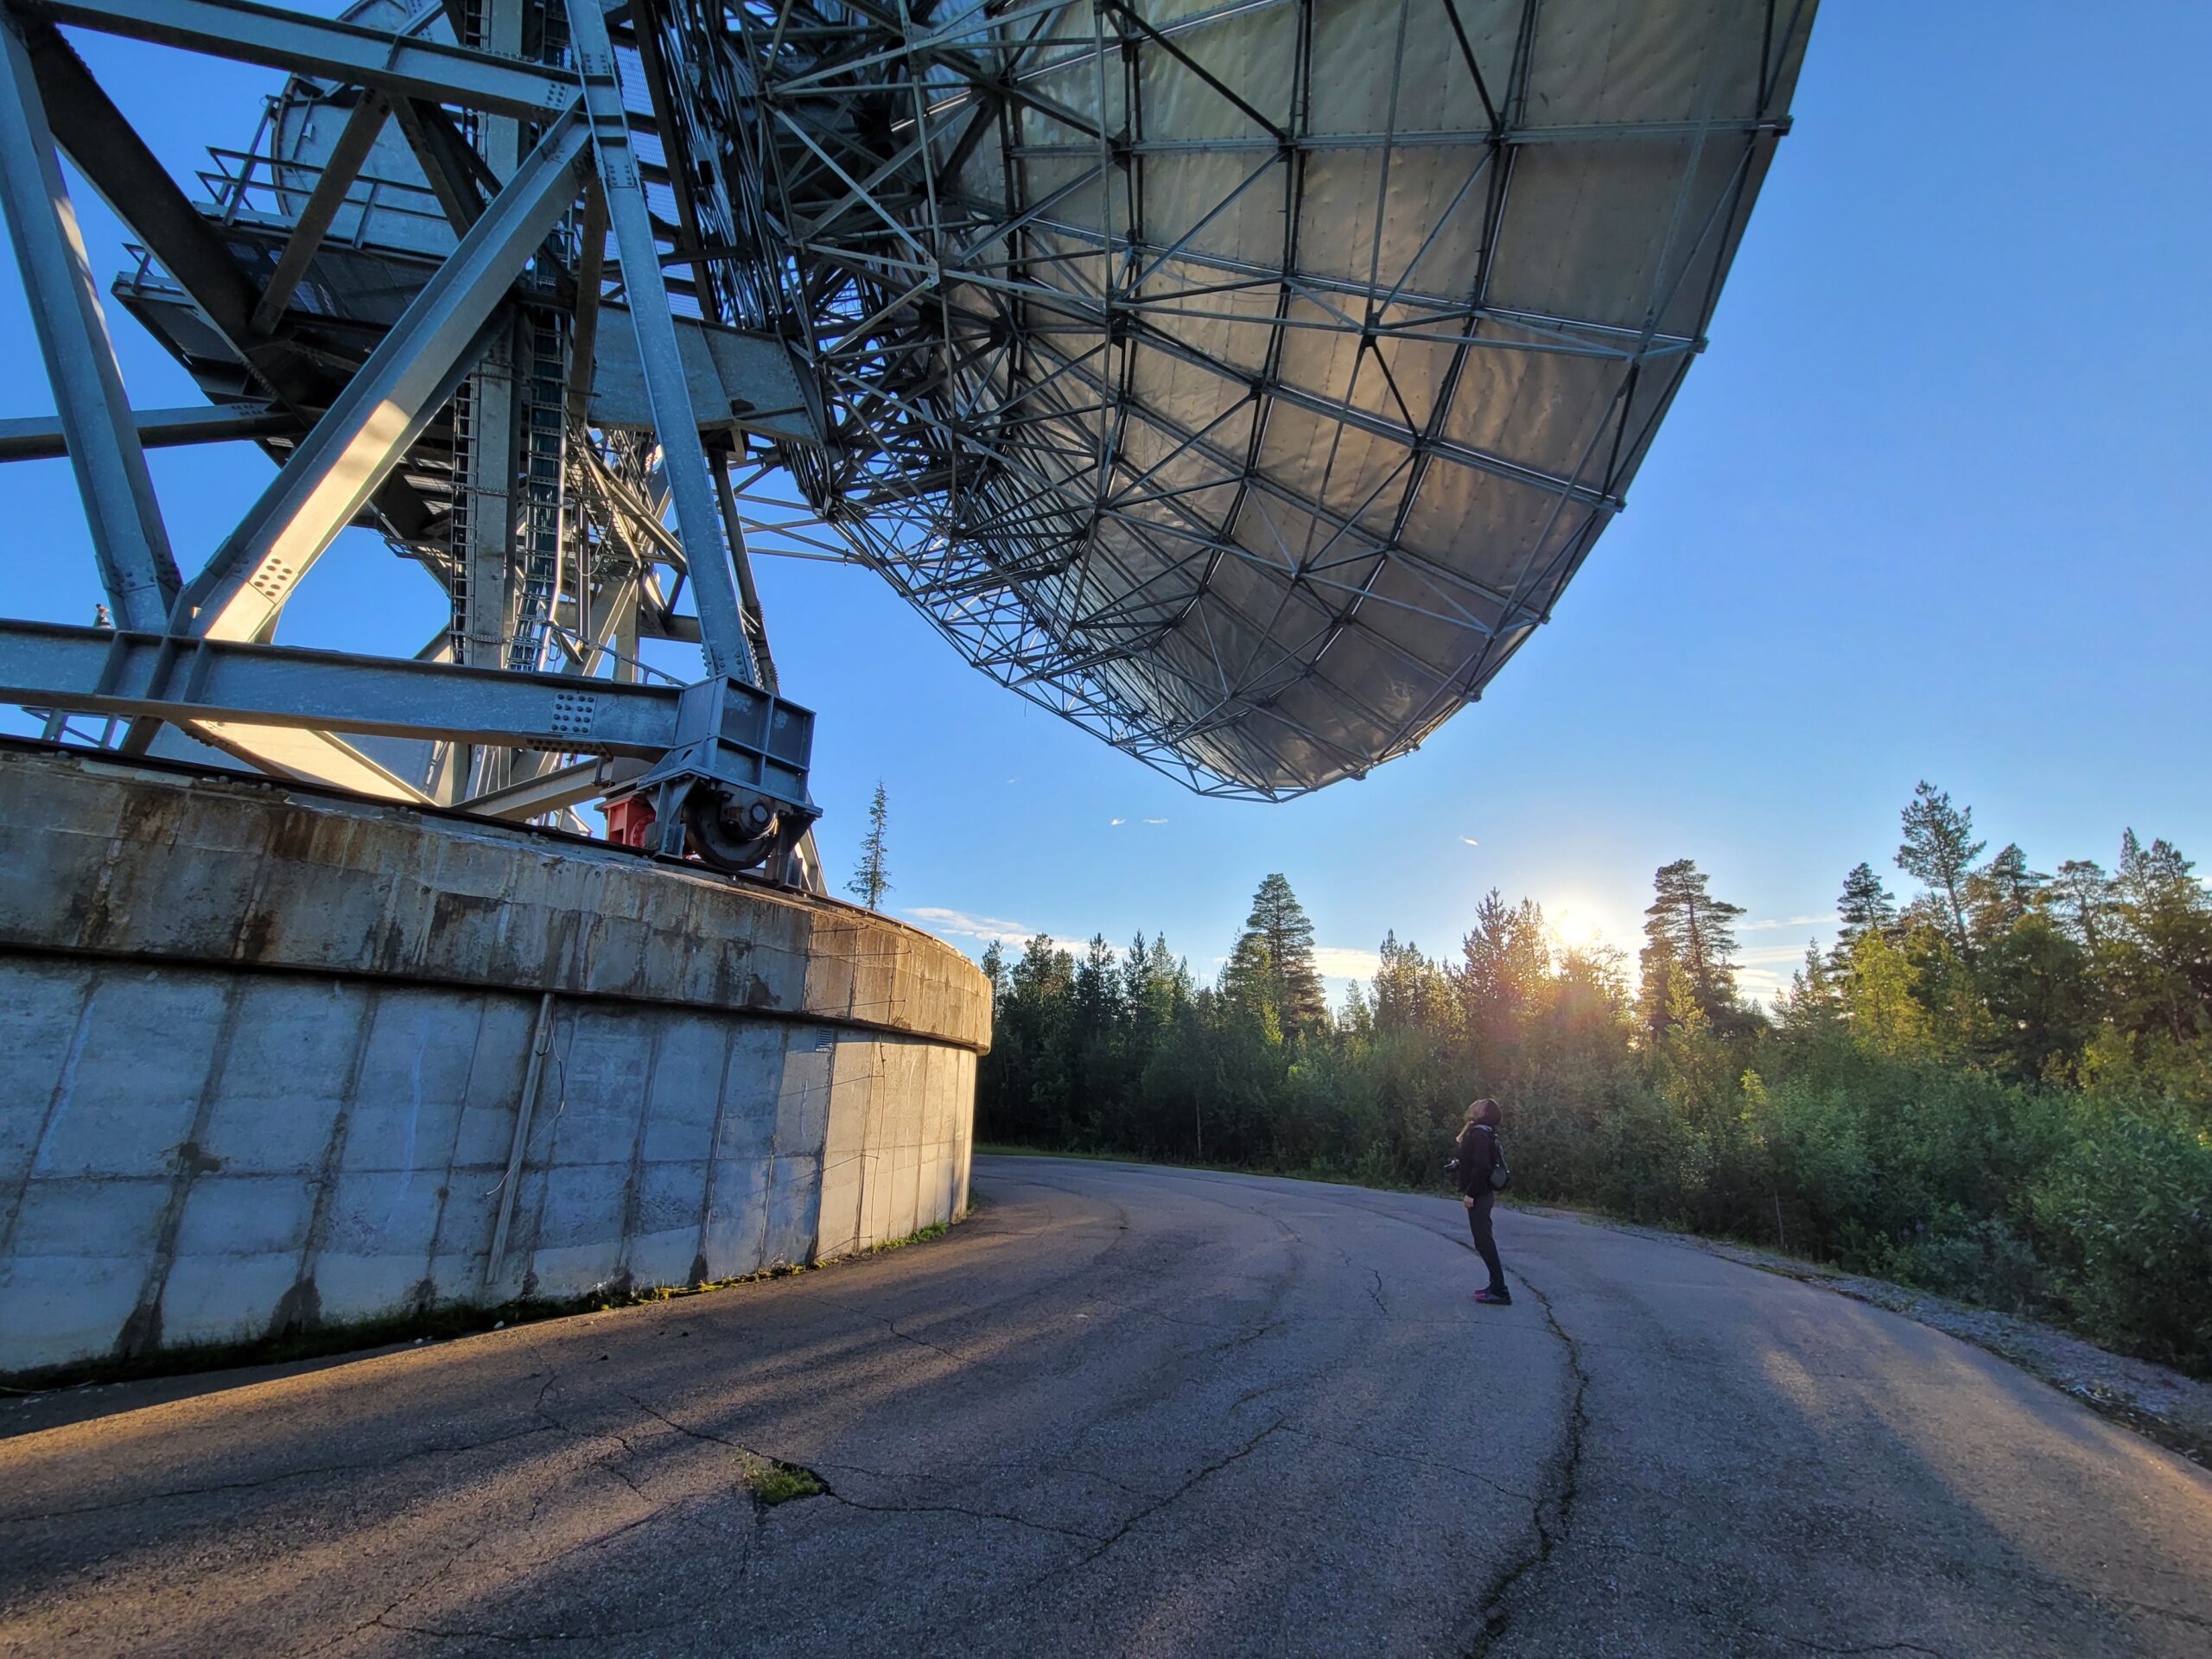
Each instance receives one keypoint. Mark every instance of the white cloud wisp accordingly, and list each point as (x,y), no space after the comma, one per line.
(958,925)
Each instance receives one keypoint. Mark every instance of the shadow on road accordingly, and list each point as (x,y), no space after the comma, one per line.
(1129,1411)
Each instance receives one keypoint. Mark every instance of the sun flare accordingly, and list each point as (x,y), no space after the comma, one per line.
(1573,929)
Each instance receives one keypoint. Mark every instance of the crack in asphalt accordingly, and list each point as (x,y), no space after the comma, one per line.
(891,1324)
(607,1465)
(1158,1505)
(442,1569)
(1070,1568)
(1048,1465)
(1551,1528)
(656,1413)
(1137,1311)
(952,1354)
(1259,1391)
(383,1618)
(850,1502)
(955,1509)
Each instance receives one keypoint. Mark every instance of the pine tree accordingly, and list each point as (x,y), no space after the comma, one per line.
(2035,981)
(1410,992)
(1692,1064)
(872,877)
(1686,925)
(1136,976)
(1880,1000)
(1810,1005)
(994,966)
(1506,967)
(1247,985)
(1865,904)
(1098,999)
(1939,851)
(1278,921)
(1168,974)
(1356,1020)
(2002,893)
(1655,968)
(2162,933)
(2080,893)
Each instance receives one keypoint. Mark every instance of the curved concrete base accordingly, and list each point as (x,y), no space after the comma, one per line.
(274,1058)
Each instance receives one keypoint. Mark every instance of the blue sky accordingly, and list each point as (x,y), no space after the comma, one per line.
(1932,506)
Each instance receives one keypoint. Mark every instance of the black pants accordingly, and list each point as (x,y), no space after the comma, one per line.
(1485,1243)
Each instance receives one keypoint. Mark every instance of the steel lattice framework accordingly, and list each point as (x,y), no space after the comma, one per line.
(1242,381)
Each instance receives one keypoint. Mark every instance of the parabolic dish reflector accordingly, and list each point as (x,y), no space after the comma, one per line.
(1245,382)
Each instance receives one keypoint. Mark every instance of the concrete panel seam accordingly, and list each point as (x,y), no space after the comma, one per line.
(632,1181)
(141,1329)
(63,1084)
(299,1303)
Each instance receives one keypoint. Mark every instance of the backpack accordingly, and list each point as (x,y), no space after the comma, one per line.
(1499,1175)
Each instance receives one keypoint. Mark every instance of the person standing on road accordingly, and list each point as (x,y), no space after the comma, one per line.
(1475,1156)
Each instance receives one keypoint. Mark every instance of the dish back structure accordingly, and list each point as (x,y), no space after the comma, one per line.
(1244,382)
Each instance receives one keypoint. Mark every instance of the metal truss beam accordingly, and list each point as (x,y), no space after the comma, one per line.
(128,540)
(1589,133)
(721,626)
(43,438)
(348,53)
(315,757)
(386,404)
(320,208)
(549,791)
(135,184)
(187,682)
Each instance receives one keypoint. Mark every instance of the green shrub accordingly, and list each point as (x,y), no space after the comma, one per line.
(2127,1207)
(1978,1261)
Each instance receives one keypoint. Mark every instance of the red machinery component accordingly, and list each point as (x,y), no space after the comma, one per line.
(630,820)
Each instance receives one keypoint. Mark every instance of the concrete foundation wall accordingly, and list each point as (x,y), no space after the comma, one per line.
(208,1136)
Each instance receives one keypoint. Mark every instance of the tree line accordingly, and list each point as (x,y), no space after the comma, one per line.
(1997,1086)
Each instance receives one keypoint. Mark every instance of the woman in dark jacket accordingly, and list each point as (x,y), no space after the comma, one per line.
(1475,1155)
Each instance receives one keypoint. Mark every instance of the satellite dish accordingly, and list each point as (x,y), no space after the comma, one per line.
(1245,382)
(1242,381)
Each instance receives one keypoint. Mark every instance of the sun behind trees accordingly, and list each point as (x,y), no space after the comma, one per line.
(2000,1088)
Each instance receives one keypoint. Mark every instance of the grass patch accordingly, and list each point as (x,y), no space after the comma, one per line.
(780,1483)
(935,1229)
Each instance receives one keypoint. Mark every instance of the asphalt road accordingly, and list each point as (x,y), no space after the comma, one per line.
(1129,1411)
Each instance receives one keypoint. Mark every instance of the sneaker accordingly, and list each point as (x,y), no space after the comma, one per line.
(1494,1298)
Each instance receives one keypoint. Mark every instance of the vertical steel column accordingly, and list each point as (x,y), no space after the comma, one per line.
(485,531)
(484,522)
(756,622)
(721,626)
(128,540)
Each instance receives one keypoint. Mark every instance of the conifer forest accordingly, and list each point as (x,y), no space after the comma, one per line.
(1996,1084)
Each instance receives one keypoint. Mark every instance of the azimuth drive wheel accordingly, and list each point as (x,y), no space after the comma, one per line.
(730,835)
